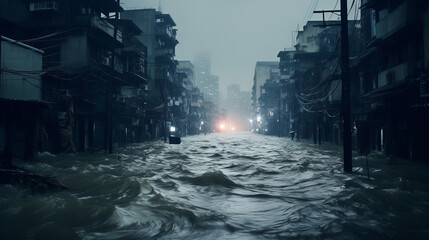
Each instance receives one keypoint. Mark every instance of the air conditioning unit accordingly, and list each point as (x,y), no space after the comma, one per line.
(390,77)
(161,43)
(106,61)
(43,6)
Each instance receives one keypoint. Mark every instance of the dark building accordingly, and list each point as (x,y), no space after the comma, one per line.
(389,81)
(393,106)
(85,80)
(160,38)
(310,84)
(263,72)
(21,105)
(269,103)
(205,81)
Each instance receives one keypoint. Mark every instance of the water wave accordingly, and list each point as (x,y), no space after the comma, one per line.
(211,178)
(219,186)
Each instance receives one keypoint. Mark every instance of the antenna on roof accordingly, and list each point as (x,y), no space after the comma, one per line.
(160,6)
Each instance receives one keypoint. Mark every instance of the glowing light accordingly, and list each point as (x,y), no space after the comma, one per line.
(172,129)
(233,128)
(202,122)
(222,126)
(258,118)
(251,120)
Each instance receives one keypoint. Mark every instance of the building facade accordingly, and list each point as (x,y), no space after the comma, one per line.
(159,35)
(263,72)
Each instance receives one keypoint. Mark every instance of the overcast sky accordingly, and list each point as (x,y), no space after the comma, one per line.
(235,33)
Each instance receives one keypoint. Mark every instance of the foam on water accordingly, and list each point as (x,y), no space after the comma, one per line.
(218,186)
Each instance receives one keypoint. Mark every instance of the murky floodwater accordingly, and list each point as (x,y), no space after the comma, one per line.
(219,186)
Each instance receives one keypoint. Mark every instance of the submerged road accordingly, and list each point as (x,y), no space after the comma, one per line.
(218,186)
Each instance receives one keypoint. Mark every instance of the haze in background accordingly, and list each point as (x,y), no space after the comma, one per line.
(235,33)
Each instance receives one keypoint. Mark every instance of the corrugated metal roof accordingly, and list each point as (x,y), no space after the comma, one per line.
(22,44)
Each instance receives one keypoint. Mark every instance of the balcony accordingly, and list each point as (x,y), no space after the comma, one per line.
(44,6)
(138,68)
(104,26)
(165,32)
(393,22)
(166,60)
(107,62)
(162,74)
(391,75)
(166,37)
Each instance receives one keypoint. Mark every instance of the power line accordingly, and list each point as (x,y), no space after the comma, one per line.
(58,32)
(335,7)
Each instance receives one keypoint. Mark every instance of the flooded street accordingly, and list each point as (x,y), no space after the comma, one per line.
(218,186)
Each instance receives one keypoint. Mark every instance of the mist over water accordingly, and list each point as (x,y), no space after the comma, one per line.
(218,186)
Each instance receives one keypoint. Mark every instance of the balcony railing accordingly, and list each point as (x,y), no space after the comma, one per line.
(106,27)
(44,6)
(166,32)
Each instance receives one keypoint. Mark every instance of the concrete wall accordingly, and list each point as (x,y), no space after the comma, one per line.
(308,38)
(145,20)
(74,52)
(21,65)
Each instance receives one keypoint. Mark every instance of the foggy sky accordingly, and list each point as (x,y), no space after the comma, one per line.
(235,33)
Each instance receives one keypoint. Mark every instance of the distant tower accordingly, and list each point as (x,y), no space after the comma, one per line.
(204,80)
(202,70)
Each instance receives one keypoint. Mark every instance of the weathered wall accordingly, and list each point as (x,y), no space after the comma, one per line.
(145,20)
(74,52)
(21,65)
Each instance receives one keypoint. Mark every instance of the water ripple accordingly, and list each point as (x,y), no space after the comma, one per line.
(219,186)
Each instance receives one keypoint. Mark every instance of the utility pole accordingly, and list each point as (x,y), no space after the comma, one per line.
(164,93)
(345,96)
(345,79)
(109,126)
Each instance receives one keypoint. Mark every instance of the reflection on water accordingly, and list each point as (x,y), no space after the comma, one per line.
(219,186)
